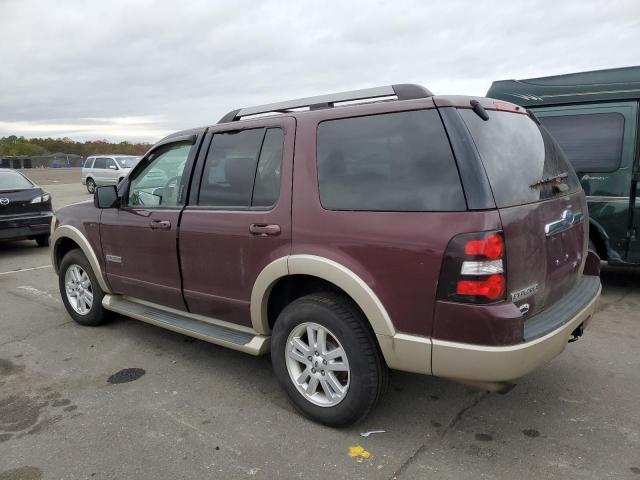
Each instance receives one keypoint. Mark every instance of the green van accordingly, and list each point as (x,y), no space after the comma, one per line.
(594,118)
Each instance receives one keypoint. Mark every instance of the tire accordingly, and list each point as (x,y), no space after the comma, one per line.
(94,315)
(592,246)
(91,185)
(346,327)
(42,240)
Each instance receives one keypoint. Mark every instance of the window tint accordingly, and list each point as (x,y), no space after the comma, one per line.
(100,163)
(392,162)
(158,183)
(230,168)
(266,189)
(516,155)
(88,163)
(592,142)
(111,164)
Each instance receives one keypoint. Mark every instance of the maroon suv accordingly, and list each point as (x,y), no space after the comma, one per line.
(442,235)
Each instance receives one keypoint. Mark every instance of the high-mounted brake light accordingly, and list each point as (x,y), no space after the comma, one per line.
(491,247)
(509,107)
(473,270)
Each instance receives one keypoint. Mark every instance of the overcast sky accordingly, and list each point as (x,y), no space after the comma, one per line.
(135,71)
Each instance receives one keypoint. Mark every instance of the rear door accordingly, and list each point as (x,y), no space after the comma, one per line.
(239,216)
(139,239)
(599,140)
(544,220)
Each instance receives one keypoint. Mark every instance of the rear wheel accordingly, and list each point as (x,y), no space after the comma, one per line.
(326,358)
(80,291)
(42,240)
(91,185)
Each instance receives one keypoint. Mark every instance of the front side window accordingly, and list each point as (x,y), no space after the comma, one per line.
(157,184)
(127,162)
(392,162)
(592,142)
(111,164)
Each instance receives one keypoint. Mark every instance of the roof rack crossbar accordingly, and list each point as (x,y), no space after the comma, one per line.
(400,91)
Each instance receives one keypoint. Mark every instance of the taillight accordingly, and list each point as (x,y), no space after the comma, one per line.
(473,269)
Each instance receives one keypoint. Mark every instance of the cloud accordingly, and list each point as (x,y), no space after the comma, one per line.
(180,65)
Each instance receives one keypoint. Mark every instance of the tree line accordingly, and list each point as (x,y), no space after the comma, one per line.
(31,147)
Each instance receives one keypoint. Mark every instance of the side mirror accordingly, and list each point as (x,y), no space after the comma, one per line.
(106,197)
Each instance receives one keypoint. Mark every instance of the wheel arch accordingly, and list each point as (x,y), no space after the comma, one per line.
(328,273)
(66,238)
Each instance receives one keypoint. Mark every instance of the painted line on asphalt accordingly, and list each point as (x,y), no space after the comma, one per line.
(25,269)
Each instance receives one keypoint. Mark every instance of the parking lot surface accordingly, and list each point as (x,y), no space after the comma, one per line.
(192,410)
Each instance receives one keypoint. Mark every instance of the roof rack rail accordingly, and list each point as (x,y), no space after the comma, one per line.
(405,91)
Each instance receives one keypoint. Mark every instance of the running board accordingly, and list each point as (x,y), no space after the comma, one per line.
(203,328)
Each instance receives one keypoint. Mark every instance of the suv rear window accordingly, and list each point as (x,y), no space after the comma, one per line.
(517,154)
(391,162)
(593,142)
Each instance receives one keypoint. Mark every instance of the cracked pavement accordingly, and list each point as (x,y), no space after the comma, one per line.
(200,411)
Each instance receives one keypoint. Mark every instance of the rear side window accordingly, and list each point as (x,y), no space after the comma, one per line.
(243,169)
(89,163)
(266,189)
(391,162)
(517,155)
(592,142)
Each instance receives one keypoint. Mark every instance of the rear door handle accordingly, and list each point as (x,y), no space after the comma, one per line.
(160,224)
(264,230)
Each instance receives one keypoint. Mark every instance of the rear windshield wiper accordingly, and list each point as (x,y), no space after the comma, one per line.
(557,179)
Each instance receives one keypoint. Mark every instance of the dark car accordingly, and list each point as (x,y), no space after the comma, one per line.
(594,118)
(442,235)
(25,209)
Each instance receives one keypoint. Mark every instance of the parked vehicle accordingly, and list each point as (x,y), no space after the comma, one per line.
(594,118)
(25,209)
(106,170)
(442,235)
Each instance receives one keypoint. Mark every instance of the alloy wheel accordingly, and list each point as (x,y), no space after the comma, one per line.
(78,289)
(317,364)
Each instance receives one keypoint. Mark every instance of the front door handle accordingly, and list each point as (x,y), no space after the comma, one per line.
(264,230)
(160,225)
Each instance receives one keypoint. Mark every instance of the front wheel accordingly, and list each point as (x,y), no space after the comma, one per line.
(326,358)
(81,294)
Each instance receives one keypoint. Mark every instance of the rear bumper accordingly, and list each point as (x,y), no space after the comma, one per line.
(19,227)
(477,363)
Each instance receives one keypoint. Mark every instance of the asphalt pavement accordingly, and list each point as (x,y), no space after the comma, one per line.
(133,401)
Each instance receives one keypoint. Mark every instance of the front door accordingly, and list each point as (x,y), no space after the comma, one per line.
(139,239)
(239,216)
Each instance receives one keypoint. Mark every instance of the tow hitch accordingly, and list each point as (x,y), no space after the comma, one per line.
(577,333)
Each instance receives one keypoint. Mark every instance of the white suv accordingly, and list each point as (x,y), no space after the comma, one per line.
(106,170)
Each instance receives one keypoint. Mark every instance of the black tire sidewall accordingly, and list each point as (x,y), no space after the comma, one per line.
(93,186)
(363,364)
(97,315)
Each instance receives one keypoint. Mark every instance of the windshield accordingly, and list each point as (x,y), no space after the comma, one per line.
(13,181)
(523,162)
(127,162)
